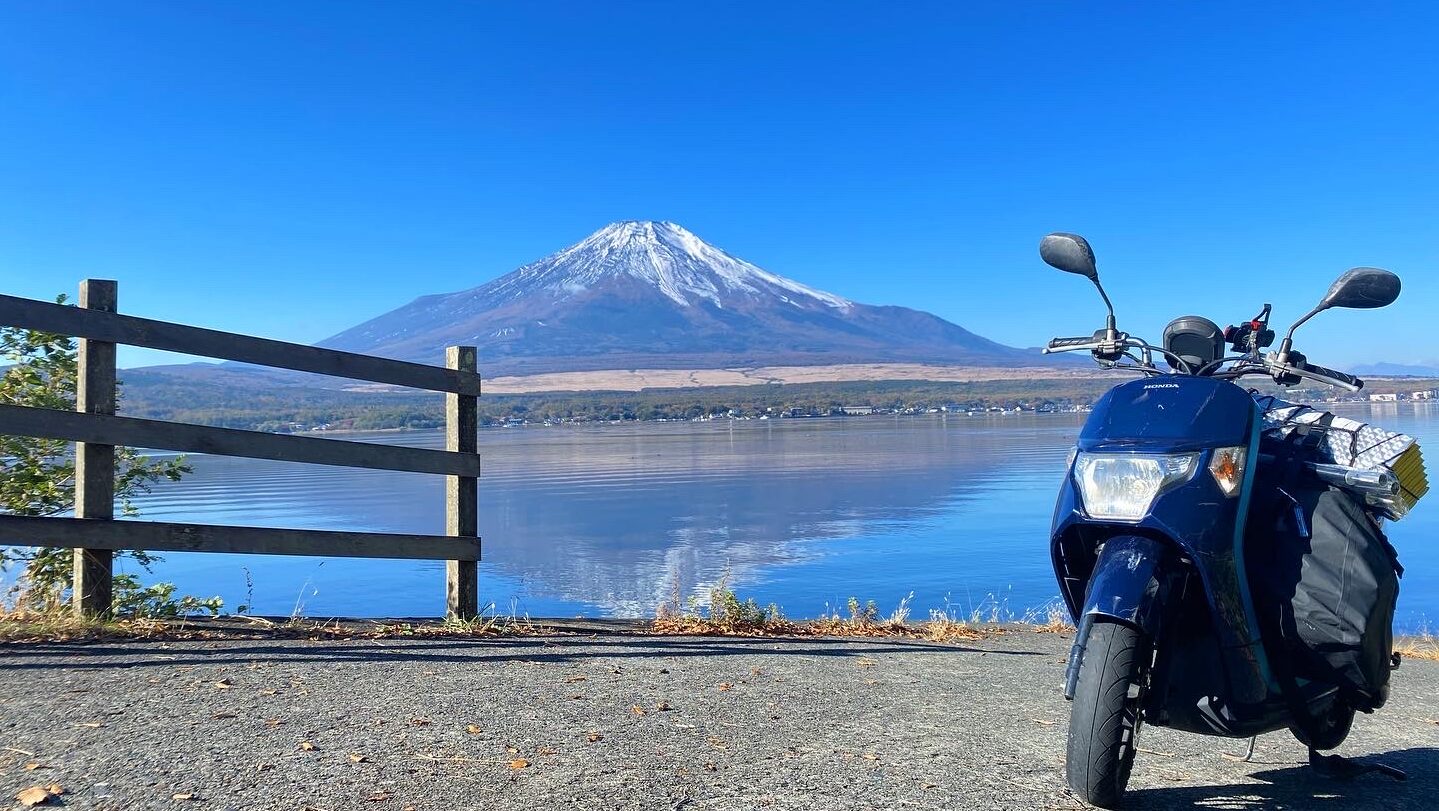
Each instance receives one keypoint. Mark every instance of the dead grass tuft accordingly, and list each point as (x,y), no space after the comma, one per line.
(728,615)
(1423,646)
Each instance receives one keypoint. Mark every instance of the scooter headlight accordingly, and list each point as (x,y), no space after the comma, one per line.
(1121,486)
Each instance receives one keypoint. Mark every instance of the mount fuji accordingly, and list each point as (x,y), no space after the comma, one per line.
(642,294)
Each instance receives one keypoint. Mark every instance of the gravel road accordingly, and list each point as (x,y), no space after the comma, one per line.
(623,722)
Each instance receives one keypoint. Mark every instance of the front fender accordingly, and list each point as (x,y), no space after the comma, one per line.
(1124,587)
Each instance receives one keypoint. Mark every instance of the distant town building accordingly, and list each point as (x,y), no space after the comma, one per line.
(1427,394)
(858,410)
(1383,398)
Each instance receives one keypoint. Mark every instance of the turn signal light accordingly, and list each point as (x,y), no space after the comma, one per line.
(1226,465)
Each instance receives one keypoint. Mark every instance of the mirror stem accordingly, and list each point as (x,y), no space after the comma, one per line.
(1283,356)
(1111,333)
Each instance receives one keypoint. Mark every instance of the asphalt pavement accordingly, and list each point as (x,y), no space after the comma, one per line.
(618,721)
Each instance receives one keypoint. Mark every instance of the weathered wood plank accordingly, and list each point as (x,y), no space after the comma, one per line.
(462,495)
(167,537)
(130,330)
(177,436)
(92,592)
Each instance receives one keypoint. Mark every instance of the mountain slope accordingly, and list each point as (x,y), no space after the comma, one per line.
(641,294)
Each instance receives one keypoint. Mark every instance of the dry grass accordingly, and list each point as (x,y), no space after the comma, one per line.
(727,615)
(60,625)
(1053,620)
(1423,645)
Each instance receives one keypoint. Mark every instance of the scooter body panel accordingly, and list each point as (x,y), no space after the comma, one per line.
(1190,541)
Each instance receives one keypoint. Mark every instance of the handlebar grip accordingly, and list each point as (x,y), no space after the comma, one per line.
(1059,343)
(1347,379)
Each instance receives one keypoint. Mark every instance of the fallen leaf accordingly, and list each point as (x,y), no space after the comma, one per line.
(871,682)
(638,710)
(929,785)
(547,750)
(870,756)
(573,679)
(594,737)
(865,662)
(273,722)
(223,715)
(512,750)
(264,767)
(377,797)
(188,795)
(474,729)
(710,767)
(55,789)
(519,763)
(30,767)
(724,685)
(663,706)
(1042,722)
(420,722)
(307,746)
(268,692)
(224,684)
(358,759)
(33,796)
(754,671)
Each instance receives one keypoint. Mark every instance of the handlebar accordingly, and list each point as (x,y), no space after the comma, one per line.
(1248,365)
(1279,371)
(1062,343)
(1331,376)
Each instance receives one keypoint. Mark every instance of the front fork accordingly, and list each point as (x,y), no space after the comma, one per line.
(1130,585)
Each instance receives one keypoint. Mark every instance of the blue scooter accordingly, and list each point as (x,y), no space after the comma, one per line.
(1148,538)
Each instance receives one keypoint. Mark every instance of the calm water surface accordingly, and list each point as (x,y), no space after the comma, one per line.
(614,520)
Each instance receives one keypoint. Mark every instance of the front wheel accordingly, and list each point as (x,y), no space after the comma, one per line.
(1105,719)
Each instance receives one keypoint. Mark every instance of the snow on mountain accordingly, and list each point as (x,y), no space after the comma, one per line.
(684,267)
(642,294)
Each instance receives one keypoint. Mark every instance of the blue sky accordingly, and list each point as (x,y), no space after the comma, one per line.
(290,169)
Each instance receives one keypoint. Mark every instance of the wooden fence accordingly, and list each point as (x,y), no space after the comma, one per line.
(96,429)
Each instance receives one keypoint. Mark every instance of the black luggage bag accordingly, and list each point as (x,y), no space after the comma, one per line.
(1326,581)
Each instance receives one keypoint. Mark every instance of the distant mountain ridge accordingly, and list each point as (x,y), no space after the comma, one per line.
(645,294)
(1385,369)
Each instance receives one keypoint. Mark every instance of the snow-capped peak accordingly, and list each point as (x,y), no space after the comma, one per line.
(682,266)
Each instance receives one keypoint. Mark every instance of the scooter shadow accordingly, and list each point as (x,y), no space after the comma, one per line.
(1300,787)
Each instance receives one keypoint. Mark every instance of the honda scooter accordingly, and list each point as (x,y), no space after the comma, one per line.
(1148,539)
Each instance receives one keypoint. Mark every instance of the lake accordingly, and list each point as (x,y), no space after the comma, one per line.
(614,520)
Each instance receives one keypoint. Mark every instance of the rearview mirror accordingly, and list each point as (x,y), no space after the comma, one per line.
(1070,253)
(1362,289)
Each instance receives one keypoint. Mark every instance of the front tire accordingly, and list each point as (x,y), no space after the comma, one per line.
(1105,719)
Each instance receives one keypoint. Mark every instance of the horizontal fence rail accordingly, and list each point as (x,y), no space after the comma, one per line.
(102,429)
(115,328)
(96,431)
(94,533)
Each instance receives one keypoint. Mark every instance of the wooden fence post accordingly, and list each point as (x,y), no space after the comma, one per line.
(462,495)
(95,464)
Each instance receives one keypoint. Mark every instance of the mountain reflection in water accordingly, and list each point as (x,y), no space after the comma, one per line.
(614,520)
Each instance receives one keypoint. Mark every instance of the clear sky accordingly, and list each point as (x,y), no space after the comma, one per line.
(292,168)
